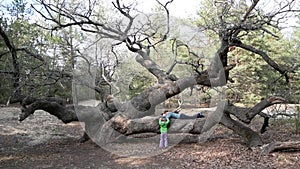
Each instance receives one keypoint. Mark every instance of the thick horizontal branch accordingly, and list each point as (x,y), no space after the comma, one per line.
(281,146)
(247,114)
(150,124)
(64,113)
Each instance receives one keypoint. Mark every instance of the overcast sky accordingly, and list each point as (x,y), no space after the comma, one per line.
(179,8)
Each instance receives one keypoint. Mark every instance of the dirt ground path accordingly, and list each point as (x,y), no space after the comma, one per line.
(43,141)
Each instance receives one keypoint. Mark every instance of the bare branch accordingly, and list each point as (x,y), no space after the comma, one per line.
(247,114)
(266,58)
(254,3)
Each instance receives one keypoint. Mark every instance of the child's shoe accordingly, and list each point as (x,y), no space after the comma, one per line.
(201,115)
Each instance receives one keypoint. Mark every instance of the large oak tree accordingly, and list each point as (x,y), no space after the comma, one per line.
(111,119)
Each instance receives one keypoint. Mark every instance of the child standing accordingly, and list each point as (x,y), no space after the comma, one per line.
(163,123)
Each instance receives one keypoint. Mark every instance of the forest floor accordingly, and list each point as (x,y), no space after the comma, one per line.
(43,141)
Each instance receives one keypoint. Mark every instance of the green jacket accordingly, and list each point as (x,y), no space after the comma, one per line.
(163,125)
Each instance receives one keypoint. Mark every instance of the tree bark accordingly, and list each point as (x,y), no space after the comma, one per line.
(247,114)
(251,137)
(15,61)
(281,146)
(64,113)
(103,126)
(150,124)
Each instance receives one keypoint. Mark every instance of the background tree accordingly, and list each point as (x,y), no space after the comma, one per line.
(292,47)
(17,60)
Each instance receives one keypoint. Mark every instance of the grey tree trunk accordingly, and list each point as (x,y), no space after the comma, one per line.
(103,126)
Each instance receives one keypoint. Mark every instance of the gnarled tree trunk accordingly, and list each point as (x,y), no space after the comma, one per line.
(103,126)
